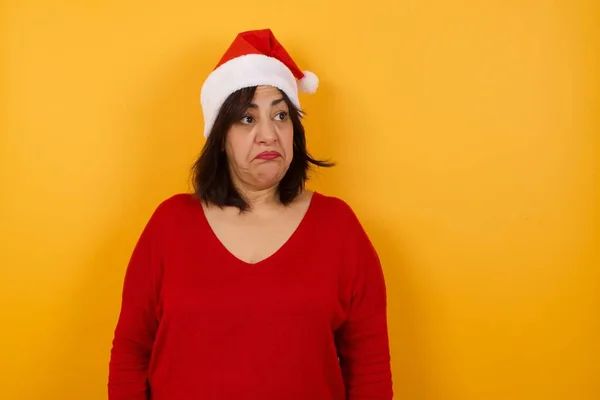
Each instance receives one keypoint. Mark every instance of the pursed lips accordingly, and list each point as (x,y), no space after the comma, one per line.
(268,155)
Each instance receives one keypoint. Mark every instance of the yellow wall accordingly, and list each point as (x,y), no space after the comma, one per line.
(467,140)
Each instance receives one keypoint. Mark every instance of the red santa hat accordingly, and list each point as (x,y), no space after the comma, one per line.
(254,58)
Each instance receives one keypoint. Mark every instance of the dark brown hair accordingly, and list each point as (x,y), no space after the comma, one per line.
(210,172)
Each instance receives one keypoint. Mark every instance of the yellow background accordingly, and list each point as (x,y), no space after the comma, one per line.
(467,140)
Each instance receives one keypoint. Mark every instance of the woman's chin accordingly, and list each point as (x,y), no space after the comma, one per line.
(268,177)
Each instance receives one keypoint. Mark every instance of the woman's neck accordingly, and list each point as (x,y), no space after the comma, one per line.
(261,198)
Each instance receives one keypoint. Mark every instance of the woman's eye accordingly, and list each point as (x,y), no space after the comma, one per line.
(281,116)
(247,119)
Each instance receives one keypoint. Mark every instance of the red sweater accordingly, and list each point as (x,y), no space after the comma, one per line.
(196,323)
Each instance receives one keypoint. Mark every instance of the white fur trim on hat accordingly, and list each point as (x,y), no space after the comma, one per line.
(240,72)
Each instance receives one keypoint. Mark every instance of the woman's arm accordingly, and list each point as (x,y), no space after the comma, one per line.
(139,317)
(363,343)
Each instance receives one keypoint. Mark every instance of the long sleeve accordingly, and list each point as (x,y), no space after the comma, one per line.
(138,320)
(363,343)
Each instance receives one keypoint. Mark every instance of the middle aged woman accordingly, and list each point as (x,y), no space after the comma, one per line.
(253,287)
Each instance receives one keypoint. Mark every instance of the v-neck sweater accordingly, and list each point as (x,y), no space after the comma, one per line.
(307,323)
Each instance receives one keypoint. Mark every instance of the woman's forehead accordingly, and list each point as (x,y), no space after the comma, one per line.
(267,96)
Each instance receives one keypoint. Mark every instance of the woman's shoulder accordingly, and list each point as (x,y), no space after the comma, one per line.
(179,200)
(175,205)
(336,208)
(338,219)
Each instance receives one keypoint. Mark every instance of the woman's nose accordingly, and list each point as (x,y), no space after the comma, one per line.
(266,131)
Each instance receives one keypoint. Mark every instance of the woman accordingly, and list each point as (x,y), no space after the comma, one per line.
(252,287)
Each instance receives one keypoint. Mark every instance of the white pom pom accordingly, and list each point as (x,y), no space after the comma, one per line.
(309,83)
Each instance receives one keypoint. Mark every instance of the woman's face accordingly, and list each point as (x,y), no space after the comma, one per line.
(259,147)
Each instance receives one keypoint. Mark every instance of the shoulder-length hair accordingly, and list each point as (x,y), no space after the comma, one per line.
(211,178)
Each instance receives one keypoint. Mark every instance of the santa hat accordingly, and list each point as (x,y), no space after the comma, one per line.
(254,58)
